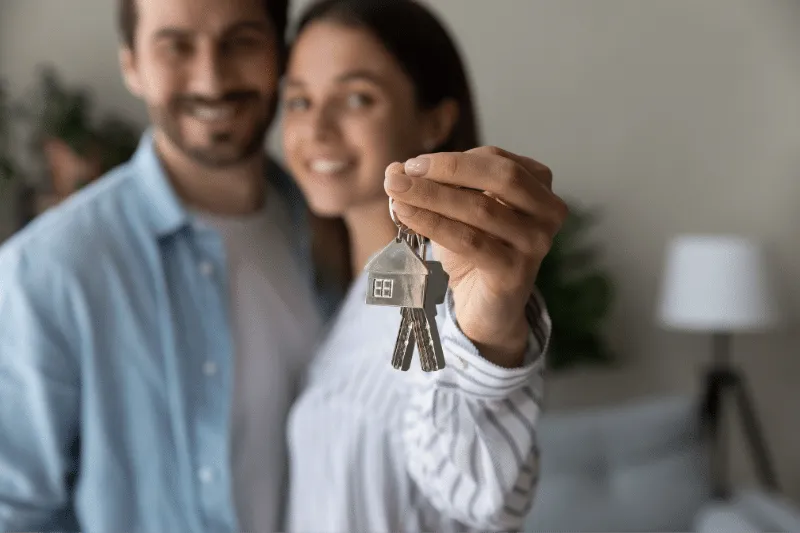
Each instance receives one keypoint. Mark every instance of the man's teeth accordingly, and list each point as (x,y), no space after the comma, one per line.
(325,166)
(213,113)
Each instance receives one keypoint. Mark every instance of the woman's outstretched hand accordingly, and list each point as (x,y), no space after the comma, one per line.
(492,216)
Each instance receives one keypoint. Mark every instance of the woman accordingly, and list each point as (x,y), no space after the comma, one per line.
(373,448)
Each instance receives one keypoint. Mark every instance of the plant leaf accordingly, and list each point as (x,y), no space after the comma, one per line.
(579,295)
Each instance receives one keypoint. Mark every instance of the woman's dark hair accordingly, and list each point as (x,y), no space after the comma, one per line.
(422,47)
(428,55)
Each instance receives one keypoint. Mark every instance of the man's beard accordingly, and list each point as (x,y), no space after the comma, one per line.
(218,151)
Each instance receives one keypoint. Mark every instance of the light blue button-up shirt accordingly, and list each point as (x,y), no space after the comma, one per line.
(111,306)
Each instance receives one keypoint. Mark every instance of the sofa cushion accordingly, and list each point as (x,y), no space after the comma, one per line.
(723,519)
(637,467)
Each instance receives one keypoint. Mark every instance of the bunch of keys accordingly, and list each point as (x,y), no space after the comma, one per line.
(400,276)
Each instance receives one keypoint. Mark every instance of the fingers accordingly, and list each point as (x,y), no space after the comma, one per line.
(493,208)
(520,182)
(476,209)
(486,252)
(538,170)
(469,207)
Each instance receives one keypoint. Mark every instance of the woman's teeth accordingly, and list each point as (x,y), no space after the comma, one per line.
(327,166)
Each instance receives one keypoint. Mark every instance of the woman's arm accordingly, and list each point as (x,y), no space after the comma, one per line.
(470,429)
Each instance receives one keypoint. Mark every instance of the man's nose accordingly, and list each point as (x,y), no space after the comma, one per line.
(210,75)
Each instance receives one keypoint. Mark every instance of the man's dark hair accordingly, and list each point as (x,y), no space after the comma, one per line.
(277,11)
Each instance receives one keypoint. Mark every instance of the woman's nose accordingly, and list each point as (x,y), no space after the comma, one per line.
(325,123)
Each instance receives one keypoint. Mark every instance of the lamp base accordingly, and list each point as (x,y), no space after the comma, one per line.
(722,380)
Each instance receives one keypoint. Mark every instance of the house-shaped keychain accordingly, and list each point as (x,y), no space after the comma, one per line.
(397,277)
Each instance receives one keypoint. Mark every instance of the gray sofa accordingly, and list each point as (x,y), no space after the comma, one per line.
(640,467)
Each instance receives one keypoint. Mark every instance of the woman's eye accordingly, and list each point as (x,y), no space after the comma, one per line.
(358,101)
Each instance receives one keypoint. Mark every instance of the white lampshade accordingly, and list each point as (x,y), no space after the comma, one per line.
(716,283)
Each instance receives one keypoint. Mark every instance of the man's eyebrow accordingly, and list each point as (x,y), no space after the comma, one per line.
(254,25)
(171,32)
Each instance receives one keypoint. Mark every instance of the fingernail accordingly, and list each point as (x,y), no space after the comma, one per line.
(404,210)
(398,182)
(417,166)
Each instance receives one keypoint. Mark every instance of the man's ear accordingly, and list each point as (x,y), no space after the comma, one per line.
(130,71)
(439,123)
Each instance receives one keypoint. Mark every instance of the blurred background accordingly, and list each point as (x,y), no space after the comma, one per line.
(660,119)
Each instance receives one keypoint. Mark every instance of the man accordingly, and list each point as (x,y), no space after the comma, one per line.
(153,327)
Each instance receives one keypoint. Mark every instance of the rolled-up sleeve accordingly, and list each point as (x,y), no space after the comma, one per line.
(39,396)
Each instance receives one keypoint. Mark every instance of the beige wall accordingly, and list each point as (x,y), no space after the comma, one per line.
(674,116)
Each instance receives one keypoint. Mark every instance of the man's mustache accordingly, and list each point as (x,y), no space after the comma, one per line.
(232,97)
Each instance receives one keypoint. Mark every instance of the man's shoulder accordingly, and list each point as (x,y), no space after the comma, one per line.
(83,226)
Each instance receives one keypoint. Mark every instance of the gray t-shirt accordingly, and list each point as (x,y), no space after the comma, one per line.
(275,325)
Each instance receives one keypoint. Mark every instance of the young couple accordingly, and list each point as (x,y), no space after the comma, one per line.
(167,360)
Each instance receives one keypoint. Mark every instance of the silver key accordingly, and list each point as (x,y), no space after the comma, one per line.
(404,345)
(426,330)
(424,337)
(433,358)
(418,325)
(399,276)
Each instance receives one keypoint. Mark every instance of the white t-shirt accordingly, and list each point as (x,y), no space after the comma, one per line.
(274,324)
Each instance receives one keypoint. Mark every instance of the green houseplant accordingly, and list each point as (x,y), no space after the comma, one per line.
(77,148)
(579,295)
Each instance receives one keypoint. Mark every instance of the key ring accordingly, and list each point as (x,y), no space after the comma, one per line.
(421,240)
(394,217)
(401,228)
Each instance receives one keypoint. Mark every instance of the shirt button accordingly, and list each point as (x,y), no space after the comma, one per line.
(209,368)
(205,475)
(206,268)
(463,362)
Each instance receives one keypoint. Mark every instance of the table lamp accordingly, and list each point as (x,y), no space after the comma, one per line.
(718,285)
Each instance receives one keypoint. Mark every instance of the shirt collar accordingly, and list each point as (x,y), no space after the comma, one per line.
(166,212)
